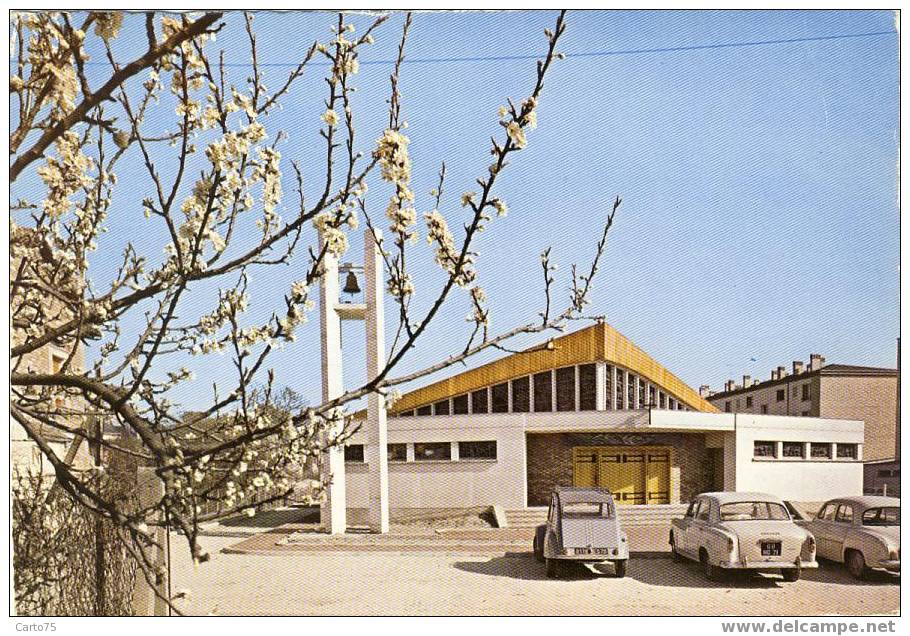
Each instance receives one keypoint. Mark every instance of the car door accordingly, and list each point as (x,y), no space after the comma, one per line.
(699,530)
(843,521)
(681,531)
(822,531)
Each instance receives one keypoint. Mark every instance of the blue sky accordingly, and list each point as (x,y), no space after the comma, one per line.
(759,183)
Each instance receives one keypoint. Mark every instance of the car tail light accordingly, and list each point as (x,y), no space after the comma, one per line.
(809,545)
(730,544)
(895,555)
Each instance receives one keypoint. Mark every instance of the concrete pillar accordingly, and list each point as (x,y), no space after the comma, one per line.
(600,391)
(614,403)
(332,513)
(377,430)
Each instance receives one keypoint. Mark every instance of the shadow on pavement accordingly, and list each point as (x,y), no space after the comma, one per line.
(831,572)
(273,518)
(524,567)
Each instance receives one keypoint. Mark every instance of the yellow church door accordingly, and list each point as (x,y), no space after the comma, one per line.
(635,475)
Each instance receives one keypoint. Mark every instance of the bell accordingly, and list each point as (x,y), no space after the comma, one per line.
(350,284)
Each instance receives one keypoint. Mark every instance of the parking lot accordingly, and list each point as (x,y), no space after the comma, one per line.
(448,583)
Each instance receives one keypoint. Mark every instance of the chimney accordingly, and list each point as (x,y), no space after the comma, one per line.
(816,361)
(756,382)
(797,367)
(774,374)
(704,390)
(781,372)
(729,385)
(747,381)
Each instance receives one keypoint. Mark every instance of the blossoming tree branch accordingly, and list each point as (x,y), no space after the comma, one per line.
(217,202)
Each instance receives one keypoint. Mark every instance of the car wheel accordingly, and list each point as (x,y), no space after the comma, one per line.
(553,569)
(709,570)
(791,575)
(674,550)
(538,549)
(619,568)
(856,564)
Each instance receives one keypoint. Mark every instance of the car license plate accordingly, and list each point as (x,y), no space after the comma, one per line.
(770,548)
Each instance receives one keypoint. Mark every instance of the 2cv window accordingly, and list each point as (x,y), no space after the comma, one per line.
(585,509)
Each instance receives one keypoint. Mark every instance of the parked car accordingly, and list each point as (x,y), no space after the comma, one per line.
(581,526)
(742,531)
(864,533)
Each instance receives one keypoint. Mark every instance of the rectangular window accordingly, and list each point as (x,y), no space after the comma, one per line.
(619,389)
(543,392)
(847,451)
(652,397)
(500,398)
(728,407)
(477,450)
(479,402)
(587,387)
(794,450)
(819,451)
(460,405)
(565,389)
(441,408)
(521,394)
(353,453)
(642,399)
(781,395)
(749,402)
(406,414)
(425,410)
(806,389)
(432,450)
(805,413)
(765,449)
(630,390)
(764,409)
(608,387)
(397,452)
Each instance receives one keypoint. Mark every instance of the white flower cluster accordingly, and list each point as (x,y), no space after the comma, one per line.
(446,255)
(298,304)
(107,23)
(65,174)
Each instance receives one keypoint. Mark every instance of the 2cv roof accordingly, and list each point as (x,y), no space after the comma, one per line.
(576,494)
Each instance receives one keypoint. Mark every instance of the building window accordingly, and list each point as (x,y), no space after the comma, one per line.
(608,386)
(728,407)
(652,397)
(460,405)
(521,394)
(397,452)
(630,390)
(749,402)
(477,450)
(500,398)
(432,450)
(795,450)
(806,388)
(819,451)
(805,413)
(764,409)
(642,398)
(425,410)
(846,451)
(353,453)
(479,402)
(765,449)
(619,389)
(565,389)
(543,392)
(587,387)
(406,414)
(781,395)
(441,408)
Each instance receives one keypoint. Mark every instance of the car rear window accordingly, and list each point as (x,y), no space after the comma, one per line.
(753,511)
(587,509)
(886,516)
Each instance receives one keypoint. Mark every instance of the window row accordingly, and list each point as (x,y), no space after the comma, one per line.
(428,451)
(766,449)
(780,395)
(566,389)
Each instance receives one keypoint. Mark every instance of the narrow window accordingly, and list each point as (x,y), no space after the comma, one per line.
(543,392)
(806,390)
(728,407)
(795,450)
(764,409)
(500,398)
(521,394)
(397,452)
(619,389)
(781,395)
(819,451)
(565,389)
(765,449)
(406,414)
(425,410)
(477,450)
(608,387)
(587,387)
(432,450)
(479,402)
(460,405)
(749,402)
(846,451)
(441,408)
(353,453)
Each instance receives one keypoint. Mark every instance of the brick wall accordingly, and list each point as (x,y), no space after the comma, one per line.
(550,461)
(871,399)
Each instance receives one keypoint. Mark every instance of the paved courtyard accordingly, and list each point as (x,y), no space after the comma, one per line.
(457,581)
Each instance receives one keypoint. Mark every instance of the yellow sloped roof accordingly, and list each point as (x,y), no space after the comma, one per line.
(592,344)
